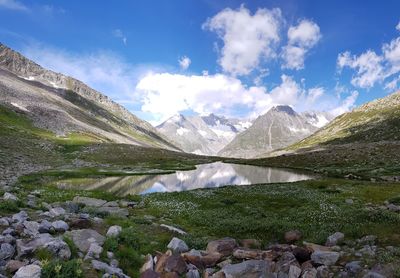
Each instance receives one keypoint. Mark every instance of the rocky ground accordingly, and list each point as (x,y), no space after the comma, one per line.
(72,239)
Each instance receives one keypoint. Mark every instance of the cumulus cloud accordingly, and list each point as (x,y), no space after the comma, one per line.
(398,27)
(247,39)
(301,38)
(346,105)
(184,62)
(371,68)
(13,5)
(120,35)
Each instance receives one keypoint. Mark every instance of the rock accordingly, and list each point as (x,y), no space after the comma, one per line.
(9,231)
(294,271)
(150,274)
(127,204)
(83,238)
(29,271)
(325,257)
(353,268)
(254,254)
(20,217)
(45,227)
(323,272)
(98,265)
(224,246)
(31,228)
(80,223)
(369,240)
(177,246)
(6,251)
(56,212)
(173,229)
(114,231)
(94,251)
(285,261)
(13,265)
(248,269)
(175,263)
(193,273)
(148,264)
(161,261)
(7,239)
(114,211)
(71,207)
(349,201)
(90,202)
(25,248)
(372,274)
(58,248)
(315,247)
(302,254)
(367,250)
(60,226)
(310,273)
(196,258)
(393,207)
(334,239)
(250,243)
(10,197)
(292,236)
(4,222)
(111,204)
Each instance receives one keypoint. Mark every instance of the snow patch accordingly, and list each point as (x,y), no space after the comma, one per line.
(23,108)
(203,133)
(181,131)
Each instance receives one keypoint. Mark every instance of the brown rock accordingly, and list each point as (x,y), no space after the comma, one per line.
(80,223)
(224,246)
(219,274)
(170,275)
(175,263)
(315,247)
(302,254)
(210,260)
(254,254)
(292,236)
(150,274)
(13,265)
(161,261)
(250,243)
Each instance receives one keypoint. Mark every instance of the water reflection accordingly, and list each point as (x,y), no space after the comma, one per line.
(205,176)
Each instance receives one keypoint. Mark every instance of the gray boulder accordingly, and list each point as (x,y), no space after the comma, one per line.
(9,197)
(90,202)
(29,271)
(177,246)
(20,217)
(224,246)
(31,228)
(60,226)
(325,257)
(45,227)
(84,238)
(334,239)
(58,248)
(94,251)
(28,247)
(249,269)
(6,251)
(117,272)
(56,212)
(114,231)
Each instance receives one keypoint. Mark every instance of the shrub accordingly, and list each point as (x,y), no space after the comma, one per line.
(60,269)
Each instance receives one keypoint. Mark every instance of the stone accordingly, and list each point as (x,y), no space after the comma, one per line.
(173,229)
(7,239)
(45,227)
(285,261)
(202,261)
(175,263)
(56,212)
(334,239)
(292,236)
(9,231)
(325,257)
(94,251)
(25,248)
(4,222)
(148,263)
(302,254)
(80,223)
(31,228)
(353,268)
(349,201)
(58,248)
(372,274)
(90,202)
(248,269)
(224,246)
(310,273)
(193,273)
(28,271)
(111,204)
(9,197)
(150,274)
(161,261)
(294,271)
(7,251)
(113,211)
(13,265)
(254,254)
(20,217)
(323,272)
(250,243)
(117,272)
(114,231)
(84,237)
(60,226)
(177,246)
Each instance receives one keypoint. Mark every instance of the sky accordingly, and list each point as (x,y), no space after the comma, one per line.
(232,58)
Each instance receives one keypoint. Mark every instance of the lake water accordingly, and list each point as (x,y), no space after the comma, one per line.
(205,176)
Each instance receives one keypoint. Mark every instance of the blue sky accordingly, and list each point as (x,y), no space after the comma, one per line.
(236,58)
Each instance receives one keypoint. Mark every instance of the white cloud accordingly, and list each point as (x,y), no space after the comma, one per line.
(301,39)
(184,62)
(398,27)
(248,39)
(120,35)
(13,5)
(346,105)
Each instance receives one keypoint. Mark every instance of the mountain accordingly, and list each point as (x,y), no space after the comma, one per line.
(376,121)
(281,126)
(64,105)
(202,134)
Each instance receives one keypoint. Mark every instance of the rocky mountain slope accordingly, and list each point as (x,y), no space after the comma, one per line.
(64,105)
(201,134)
(278,128)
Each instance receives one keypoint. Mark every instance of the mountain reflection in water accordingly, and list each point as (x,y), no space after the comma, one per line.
(205,176)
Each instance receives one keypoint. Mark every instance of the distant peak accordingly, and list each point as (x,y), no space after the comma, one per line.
(284,108)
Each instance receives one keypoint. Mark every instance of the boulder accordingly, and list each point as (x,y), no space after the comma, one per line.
(334,239)
(20,217)
(13,265)
(353,268)
(175,263)
(294,271)
(9,197)
(114,231)
(173,229)
(60,226)
(292,236)
(45,227)
(193,273)
(25,248)
(224,246)
(161,261)
(325,257)
(252,254)
(150,274)
(117,272)
(302,254)
(248,269)
(372,274)
(58,248)
(29,271)
(177,246)
(56,212)
(4,222)
(7,251)
(90,202)
(148,264)
(94,251)
(84,237)
(80,223)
